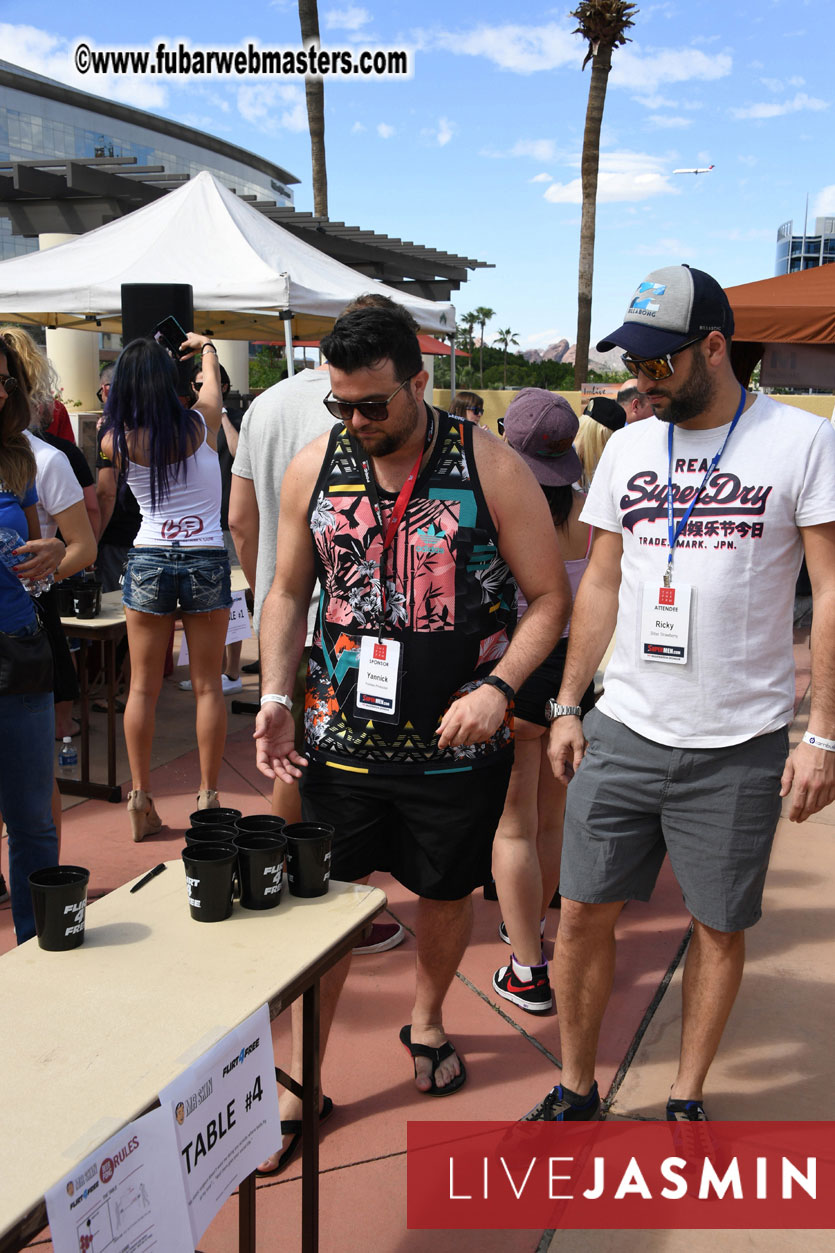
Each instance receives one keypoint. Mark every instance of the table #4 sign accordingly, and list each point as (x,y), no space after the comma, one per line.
(161,1180)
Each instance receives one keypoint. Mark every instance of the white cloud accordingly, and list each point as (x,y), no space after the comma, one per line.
(656,102)
(541,178)
(357,128)
(824,203)
(444,132)
(539,149)
(521,49)
(384,130)
(635,64)
(623,176)
(800,103)
(777,84)
(669,121)
(52,55)
(352,18)
(273,107)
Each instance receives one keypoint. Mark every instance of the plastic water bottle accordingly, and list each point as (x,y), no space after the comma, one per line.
(67,758)
(9,541)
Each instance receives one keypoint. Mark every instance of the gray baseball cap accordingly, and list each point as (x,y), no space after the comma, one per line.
(670,308)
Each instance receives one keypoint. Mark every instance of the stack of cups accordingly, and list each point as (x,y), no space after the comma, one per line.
(261,847)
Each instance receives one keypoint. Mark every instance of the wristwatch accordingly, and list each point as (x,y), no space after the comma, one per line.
(553,710)
(492,680)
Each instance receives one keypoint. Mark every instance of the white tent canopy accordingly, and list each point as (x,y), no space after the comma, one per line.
(244,270)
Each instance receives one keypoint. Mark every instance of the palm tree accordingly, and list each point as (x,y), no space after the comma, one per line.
(504,339)
(469,321)
(314,93)
(483,316)
(603,24)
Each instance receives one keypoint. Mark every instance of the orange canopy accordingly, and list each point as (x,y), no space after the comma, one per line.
(792,308)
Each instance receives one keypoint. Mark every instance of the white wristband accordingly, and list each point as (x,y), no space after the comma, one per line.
(272,698)
(817,741)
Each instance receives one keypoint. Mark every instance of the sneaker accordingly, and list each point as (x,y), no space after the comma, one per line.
(230,685)
(184,685)
(526,986)
(504,936)
(4,891)
(383,936)
(686,1111)
(556,1107)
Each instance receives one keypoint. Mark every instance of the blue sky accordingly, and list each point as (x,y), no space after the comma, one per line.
(478,153)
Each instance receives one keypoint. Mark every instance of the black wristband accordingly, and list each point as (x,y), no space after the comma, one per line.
(506,690)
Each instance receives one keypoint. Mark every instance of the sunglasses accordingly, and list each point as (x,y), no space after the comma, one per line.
(477,412)
(8,384)
(371,410)
(656,368)
(105,387)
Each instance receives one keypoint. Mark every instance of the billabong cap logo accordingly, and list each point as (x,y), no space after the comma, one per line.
(645,296)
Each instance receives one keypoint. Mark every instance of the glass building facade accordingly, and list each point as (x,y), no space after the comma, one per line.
(41,118)
(804,252)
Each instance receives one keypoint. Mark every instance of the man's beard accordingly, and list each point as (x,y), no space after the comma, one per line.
(389,441)
(693,398)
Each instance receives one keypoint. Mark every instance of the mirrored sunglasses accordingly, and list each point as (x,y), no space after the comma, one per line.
(656,368)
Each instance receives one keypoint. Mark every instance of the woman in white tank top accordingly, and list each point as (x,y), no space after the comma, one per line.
(178,565)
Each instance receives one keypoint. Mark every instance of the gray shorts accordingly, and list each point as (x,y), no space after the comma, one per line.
(714,810)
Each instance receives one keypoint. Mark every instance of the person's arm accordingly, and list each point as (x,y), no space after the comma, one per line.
(210,403)
(91,504)
(245,525)
(528,543)
(106,484)
(283,626)
(74,525)
(230,431)
(44,556)
(810,772)
(592,627)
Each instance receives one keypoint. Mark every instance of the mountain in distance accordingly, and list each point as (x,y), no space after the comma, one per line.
(561,351)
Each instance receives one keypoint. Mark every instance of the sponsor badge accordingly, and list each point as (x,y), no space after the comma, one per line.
(378,680)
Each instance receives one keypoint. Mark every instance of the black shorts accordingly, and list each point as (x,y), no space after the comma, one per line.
(433,833)
(544,684)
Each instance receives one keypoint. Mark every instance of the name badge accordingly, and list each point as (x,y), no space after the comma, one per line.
(378,680)
(665,623)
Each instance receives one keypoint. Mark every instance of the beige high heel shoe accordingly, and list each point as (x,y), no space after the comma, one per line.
(208,799)
(144,819)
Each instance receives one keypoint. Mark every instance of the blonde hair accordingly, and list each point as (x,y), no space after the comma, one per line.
(41,378)
(592,438)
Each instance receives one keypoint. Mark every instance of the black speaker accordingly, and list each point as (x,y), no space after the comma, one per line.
(146,304)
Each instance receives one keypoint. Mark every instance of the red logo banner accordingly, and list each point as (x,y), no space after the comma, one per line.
(621,1175)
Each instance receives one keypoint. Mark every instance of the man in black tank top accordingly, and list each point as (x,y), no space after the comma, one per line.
(418,526)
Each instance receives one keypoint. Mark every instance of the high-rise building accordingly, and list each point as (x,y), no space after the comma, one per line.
(804,252)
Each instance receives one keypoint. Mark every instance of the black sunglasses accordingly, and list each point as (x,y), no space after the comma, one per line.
(8,384)
(371,410)
(99,392)
(477,412)
(656,368)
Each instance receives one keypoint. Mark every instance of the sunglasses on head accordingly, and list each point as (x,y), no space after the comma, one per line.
(371,410)
(8,384)
(656,368)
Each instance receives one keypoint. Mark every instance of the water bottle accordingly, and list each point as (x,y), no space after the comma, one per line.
(67,758)
(9,541)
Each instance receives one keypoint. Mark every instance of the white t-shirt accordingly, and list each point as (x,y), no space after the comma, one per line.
(58,488)
(277,425)
(741,553)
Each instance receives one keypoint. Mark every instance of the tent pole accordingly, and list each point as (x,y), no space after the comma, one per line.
(287,318)
(452,367)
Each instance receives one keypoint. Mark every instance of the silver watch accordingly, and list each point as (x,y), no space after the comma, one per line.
(553,710)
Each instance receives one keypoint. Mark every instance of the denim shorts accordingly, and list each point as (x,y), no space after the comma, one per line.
(162,581)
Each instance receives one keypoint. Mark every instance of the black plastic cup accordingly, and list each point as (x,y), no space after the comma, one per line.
(209,870)
(211,835)
(214,817)
(260,869)
(59,901)
(260,824)
(308,857)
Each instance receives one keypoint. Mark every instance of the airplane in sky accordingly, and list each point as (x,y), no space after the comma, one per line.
(705,170)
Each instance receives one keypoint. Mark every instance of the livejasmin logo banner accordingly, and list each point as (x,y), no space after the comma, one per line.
(621,1175)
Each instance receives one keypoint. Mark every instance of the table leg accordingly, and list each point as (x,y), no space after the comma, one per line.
(246,1215)
(110,672)
(310,1119)
(84,700)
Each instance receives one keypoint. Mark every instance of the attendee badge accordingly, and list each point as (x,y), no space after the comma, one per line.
(665,623)
(378,680)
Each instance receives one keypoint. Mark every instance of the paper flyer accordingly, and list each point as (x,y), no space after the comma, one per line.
(240,627)
(226,1117)
(125,1197)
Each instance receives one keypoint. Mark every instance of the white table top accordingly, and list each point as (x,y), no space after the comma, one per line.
(92,1035)
(112,609)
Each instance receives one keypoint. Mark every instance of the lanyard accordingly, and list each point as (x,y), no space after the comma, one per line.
(674,532)
(400,505)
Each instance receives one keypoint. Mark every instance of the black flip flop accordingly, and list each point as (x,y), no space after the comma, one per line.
(293,1127)
(436,1056)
